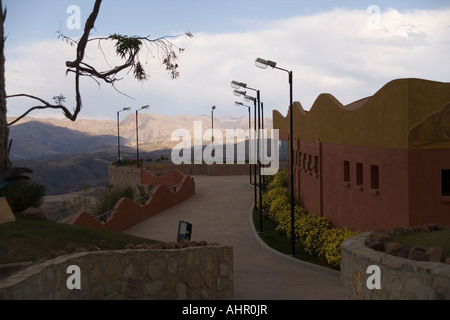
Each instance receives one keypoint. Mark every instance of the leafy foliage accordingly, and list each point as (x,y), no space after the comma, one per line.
(109,199)
(23,194)
(128,48)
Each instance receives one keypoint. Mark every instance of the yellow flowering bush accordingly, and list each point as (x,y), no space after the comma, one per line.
(280,180)
(331,247)
(309,229)
(273,195)
(316,234)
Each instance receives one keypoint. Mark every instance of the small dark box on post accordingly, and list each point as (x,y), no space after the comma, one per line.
(184,231)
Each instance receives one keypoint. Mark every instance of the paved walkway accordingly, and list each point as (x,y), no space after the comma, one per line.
(220,212)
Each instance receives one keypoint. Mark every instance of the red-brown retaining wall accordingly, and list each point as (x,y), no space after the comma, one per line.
(126,213)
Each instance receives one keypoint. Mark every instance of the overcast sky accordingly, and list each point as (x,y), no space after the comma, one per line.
(349,49)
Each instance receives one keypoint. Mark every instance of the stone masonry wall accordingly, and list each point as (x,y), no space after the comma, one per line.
(193,273)
(400,278)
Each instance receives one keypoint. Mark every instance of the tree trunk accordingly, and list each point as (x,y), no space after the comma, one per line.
(5,164)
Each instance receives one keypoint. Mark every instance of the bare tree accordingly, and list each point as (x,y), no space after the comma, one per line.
(127,48)
(4,130)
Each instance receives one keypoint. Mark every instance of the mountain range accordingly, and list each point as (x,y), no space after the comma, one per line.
(68,156)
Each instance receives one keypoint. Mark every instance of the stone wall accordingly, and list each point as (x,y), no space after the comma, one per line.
(193,273)
(399,278)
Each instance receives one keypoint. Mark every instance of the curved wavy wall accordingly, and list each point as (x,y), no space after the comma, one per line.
(378,162)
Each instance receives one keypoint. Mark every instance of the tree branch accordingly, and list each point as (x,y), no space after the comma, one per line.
(46,105)
(127,48)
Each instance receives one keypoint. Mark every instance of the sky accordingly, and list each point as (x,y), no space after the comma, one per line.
(349,49)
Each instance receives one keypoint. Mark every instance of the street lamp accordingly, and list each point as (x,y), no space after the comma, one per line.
(249,128)
(263,64)
(212,132)
(212,122)
(137,132)
(118,134)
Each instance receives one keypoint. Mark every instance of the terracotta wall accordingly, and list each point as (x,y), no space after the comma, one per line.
(426,203)
(402,130)
(126,213)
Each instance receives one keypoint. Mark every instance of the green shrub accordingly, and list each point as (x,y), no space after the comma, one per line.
(108,200)
(23,194)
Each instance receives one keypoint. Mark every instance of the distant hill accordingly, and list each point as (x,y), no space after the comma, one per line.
(39,141)
(68,156)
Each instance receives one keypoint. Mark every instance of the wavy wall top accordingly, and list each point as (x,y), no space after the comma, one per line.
(404,113)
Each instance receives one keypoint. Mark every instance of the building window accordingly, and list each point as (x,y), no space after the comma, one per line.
(310,165)
(316,165)
(299,160)
(374,179)
(283,150)
(445,178)
(359,174)
(346,173)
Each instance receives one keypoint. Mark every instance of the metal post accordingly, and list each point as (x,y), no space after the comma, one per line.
(137,139)
(291,165)
(259,161)
(118,139)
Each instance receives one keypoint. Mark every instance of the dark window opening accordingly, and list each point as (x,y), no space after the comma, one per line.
(359,174)
(316,164)
(347,171)
(374,178)
(445,183)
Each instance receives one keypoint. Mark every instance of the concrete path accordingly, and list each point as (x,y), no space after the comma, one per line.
(220,212)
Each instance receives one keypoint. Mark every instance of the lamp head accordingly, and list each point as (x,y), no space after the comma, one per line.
(263,64)
(214,107)
(238,103)
(249,98)
(127,109)
(238,93)
(238,85)
(145,107)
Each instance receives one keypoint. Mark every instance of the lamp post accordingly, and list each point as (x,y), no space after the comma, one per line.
(263,64)
(249,128)
(212,122)
(118,134)
(137,133)
(212,127)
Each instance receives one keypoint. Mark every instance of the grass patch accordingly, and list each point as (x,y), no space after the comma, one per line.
(32,239)
(439,238)
(278,241)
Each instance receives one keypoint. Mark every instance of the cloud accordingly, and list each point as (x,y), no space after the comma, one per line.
(334,52)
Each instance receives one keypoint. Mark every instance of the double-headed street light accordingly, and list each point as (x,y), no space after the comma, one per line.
(118,134)
(263,64)
(137,132)
(256,101)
